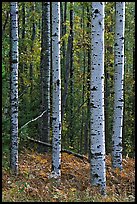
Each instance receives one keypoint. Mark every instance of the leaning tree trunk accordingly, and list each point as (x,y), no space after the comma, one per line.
(98,170)
(56,97)
(118,86)
(45,72)
(14,87)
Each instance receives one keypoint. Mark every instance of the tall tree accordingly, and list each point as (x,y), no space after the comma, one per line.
(98,170)
(45,72)
(63,32)
(23,65)
(87,124)
(14,87)
(32,45)
(71,71)
(109,72)
(56,97)
(118,85)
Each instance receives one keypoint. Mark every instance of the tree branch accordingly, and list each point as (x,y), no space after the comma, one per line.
(62,150)
(33,119)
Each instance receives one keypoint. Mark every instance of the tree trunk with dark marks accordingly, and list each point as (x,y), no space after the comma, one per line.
(14,87)
(118,86)
(97,126)
(56,96)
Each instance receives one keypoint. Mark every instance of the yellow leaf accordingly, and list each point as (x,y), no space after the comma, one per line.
(42,174)
(43,161)
(73,189)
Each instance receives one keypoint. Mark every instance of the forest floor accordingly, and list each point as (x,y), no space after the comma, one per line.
(33,182)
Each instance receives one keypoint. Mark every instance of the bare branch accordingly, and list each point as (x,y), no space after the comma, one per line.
(62,150)
(33,119)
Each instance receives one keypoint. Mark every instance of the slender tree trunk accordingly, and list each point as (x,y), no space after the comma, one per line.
(56,83)
(71,73)
(14,87)
(118,86)
(83,86)
(133,110)
(51,69)
(98,169)
(45,72)
(87,124)
(107,139)
(63,25)
(65,60)
(23,20)
(32,38)
(67,74)
(64,28)
(23,47)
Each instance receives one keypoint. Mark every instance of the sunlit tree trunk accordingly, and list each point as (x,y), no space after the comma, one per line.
(56,97)
(45,72)
(14,87)
(118,86)
(98,170)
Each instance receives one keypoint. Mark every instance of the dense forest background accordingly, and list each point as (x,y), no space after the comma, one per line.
(75,124)
(31,88)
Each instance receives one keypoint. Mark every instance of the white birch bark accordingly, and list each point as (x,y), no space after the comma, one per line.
(98,170)
(118,86)
(56,100)
(14,87)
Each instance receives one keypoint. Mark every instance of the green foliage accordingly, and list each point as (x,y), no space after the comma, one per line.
(29,89)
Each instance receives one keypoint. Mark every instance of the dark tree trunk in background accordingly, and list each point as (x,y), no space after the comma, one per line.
(32,38)
(45,72)
(87,124)
(63,29)
(83,81)
(23,48)
(71,72)
(67,74)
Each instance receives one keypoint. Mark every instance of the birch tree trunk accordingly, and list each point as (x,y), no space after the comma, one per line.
(14,87)
(45,72)
(56,98)
(98,170)
(118,86)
